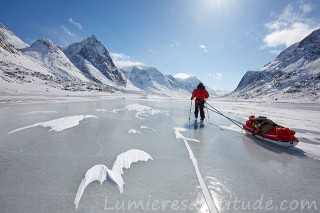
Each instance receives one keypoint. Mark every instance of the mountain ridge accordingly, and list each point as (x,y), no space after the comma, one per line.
(82,66)
(294,73)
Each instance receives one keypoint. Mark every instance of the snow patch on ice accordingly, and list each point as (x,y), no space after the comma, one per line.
(116,110)
(58,124)
(142,110)
(137,107)
(134,131)
(145,127)
(101,110)
(125,159)
(36,112)
(177,131)
(96,173)
(101,173)
(113,111)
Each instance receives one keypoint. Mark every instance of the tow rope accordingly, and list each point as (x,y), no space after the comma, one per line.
(211,108)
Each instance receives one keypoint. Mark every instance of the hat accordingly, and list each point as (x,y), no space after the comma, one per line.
(200,85)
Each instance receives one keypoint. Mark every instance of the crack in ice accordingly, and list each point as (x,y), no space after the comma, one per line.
(210,203)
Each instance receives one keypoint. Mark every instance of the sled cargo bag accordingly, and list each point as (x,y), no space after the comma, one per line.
(263,124)
(285,133)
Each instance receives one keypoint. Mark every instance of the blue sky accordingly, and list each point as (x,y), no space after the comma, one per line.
(216,40)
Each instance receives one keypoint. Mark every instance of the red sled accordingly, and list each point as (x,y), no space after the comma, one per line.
(265,129)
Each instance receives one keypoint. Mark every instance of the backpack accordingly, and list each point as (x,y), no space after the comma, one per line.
(263,124)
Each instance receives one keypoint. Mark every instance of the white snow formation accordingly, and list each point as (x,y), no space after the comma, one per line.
(58,124)
(101,173)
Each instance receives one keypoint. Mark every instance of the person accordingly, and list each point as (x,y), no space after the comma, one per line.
(200,94)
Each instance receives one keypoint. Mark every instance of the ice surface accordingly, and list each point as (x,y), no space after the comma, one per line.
(58,124)
(233,127)
(41,170)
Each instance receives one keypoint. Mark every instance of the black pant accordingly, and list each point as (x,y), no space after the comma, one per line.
(196,110)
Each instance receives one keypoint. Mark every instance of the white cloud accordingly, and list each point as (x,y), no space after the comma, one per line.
(60,34)
(122,60)
(203,47)
(217,76)
(305,7)
(182,75)
(288,36)
(67,31)
(152,51)
(75,23)
(290,26)
(171,45)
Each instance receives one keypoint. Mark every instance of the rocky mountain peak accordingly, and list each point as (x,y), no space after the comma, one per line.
(92,51)
(305,51)
(44,44)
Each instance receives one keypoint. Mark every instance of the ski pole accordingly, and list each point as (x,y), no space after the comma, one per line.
(190,110)
(207,109)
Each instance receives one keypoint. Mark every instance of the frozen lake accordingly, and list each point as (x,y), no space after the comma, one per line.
(47,148)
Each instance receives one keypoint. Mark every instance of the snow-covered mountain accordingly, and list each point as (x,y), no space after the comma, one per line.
(38,68)
(151,80)
(11,38)
(221,92)
(94,61)
(15,68)
(189,83)
(82,66)
(294,74)
(49,55)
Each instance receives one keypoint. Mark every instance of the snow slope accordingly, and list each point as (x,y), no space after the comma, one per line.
(18,72)
(11,38)
(294,74)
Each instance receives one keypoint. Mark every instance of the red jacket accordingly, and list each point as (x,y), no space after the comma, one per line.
(200,94)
